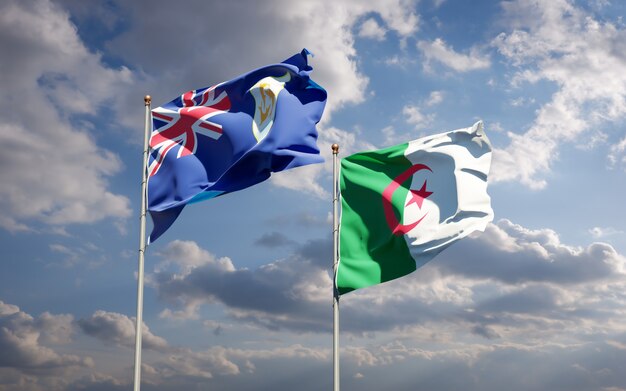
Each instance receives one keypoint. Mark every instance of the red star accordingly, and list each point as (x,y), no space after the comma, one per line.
(418,196)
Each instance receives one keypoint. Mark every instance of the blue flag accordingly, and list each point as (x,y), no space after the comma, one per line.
(224,138)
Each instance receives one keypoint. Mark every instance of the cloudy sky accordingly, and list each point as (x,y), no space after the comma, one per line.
(238,293)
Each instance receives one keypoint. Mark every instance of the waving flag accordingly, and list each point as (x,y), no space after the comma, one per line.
(230,136)
(403,205)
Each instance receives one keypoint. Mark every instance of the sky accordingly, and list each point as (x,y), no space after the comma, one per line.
(238,292)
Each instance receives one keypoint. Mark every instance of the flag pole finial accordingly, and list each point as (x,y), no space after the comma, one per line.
(335,148)
(147,99)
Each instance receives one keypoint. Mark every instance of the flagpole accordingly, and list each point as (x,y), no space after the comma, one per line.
(335,148)
(142,247)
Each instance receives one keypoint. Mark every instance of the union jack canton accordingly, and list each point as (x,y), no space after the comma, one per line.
(182,126)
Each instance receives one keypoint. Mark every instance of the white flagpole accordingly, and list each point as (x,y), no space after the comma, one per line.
(142,246)
(335,148)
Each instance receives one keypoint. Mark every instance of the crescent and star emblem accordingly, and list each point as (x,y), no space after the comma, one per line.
(417,197)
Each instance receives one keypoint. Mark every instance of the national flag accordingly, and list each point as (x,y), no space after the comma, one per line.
(224,138)
(402,205)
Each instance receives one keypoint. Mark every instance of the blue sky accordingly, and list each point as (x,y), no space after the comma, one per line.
(238,292)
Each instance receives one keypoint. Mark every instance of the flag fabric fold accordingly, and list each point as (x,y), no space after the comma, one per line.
(224,138)
(402,205)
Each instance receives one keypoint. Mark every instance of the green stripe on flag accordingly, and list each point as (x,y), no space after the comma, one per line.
(369,252)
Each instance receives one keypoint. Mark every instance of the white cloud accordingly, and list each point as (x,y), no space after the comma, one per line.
(308,178)
(415,117)
(55,329)
(399,61)
(602,232)
(271,292)
(195,364)
(522,101)
(170,366)
(583,57)
(85,253)
(198,366)
(328,35)
(437,51)
(371,29)
(189,311)
(510,277)
(392,137)
(616,154)
(119,329)
(8,309)
(22,340)
(435,98)
(514,254)
(51,169)
(187,255)
(273,240)
(385,354)
(291,351)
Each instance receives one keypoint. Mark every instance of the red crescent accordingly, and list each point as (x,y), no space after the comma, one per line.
(395,226)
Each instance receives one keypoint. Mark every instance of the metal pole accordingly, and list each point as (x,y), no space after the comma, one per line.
(142,246)
(335,148)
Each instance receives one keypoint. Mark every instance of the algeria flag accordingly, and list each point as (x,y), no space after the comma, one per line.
(402,205)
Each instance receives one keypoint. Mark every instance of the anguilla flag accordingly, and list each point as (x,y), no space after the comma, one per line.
(224,138)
